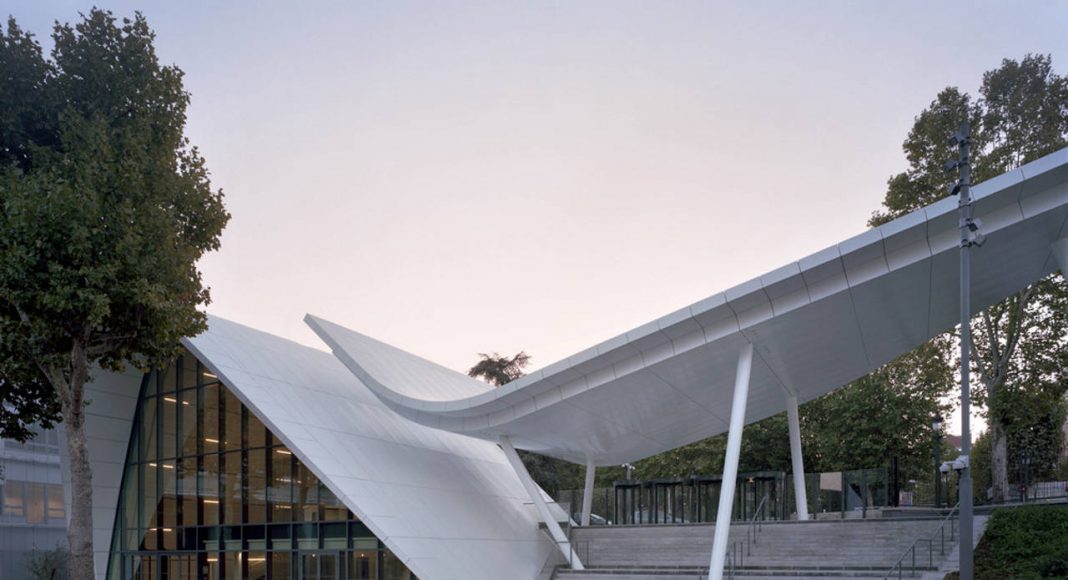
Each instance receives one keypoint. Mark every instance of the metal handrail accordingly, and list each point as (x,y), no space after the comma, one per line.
(753,526)
(911,550)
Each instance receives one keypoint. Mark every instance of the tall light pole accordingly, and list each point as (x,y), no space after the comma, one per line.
(969,236)
(936,426)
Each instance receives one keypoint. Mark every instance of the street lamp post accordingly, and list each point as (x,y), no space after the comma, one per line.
(969,236)
(936,426)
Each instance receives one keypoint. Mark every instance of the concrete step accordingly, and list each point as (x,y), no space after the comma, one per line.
(821,549)
(702,574)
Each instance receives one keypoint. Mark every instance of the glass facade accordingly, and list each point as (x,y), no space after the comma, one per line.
(209,493)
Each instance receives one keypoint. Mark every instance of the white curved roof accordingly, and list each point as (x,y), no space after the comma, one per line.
(450,506)
(816,324)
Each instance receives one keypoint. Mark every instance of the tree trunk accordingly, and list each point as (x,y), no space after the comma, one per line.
(80,528)
(999,462)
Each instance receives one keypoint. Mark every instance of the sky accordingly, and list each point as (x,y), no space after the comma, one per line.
(464,177)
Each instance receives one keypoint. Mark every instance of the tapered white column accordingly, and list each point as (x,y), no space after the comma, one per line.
(730,463)
(587,493)
(539,502)
(800,494)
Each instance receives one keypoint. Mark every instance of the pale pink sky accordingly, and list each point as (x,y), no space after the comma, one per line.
(464,177)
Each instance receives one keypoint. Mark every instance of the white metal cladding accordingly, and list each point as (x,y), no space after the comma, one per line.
(448,505)
(816,324)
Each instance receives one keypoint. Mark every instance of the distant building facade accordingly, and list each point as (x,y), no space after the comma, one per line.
(33,512)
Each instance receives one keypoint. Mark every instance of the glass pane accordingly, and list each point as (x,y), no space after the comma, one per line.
(232,562)
(148,439)
(150,384)
(35,503)
(209,539)
(56,507)
(231,538)
(331,506)
(206,376)
(187,491)
(309,566)
(363,565)
(14,499)
(281,536)
(255,435)
(328,566)
(169,380)
(257,566)
(255,537)
(256,490)
(211,563)
(231,487)
(168,503)
(189,371)
(130,519)
(333,535)
(169,410)
(280,492)
(209,428)
(231,421)
(187,416)
(149,504)
(209,489)
(393,568)
(306,488)
(280,566)
(307,536)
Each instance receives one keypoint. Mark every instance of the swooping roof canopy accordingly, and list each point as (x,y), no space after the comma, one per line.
(816,324)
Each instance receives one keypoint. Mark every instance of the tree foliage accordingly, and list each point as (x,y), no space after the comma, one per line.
(499,370)
(104,210)
(1018,344)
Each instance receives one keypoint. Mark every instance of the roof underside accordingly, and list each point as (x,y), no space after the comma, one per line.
(816,324)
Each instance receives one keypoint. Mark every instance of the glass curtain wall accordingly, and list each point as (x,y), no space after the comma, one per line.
(209,493)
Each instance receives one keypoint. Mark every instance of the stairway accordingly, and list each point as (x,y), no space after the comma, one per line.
(799,550)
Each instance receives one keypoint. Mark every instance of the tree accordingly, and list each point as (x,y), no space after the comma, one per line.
(499,370)
(1019,343)
(104,210)
(886,414)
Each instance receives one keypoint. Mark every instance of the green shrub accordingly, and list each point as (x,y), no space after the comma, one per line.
(1024,543)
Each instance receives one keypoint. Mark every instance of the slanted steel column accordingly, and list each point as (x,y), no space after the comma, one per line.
(800,494)
(539,502)
(730,463)
(587,493)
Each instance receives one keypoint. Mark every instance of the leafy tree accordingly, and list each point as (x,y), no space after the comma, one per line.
(550,473)
(104,210)
(499,370)
(1019,343)
(886,414)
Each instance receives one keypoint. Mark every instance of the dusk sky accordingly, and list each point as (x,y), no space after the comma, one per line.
(465,177)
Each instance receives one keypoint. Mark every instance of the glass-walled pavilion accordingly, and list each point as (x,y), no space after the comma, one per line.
(209,493)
